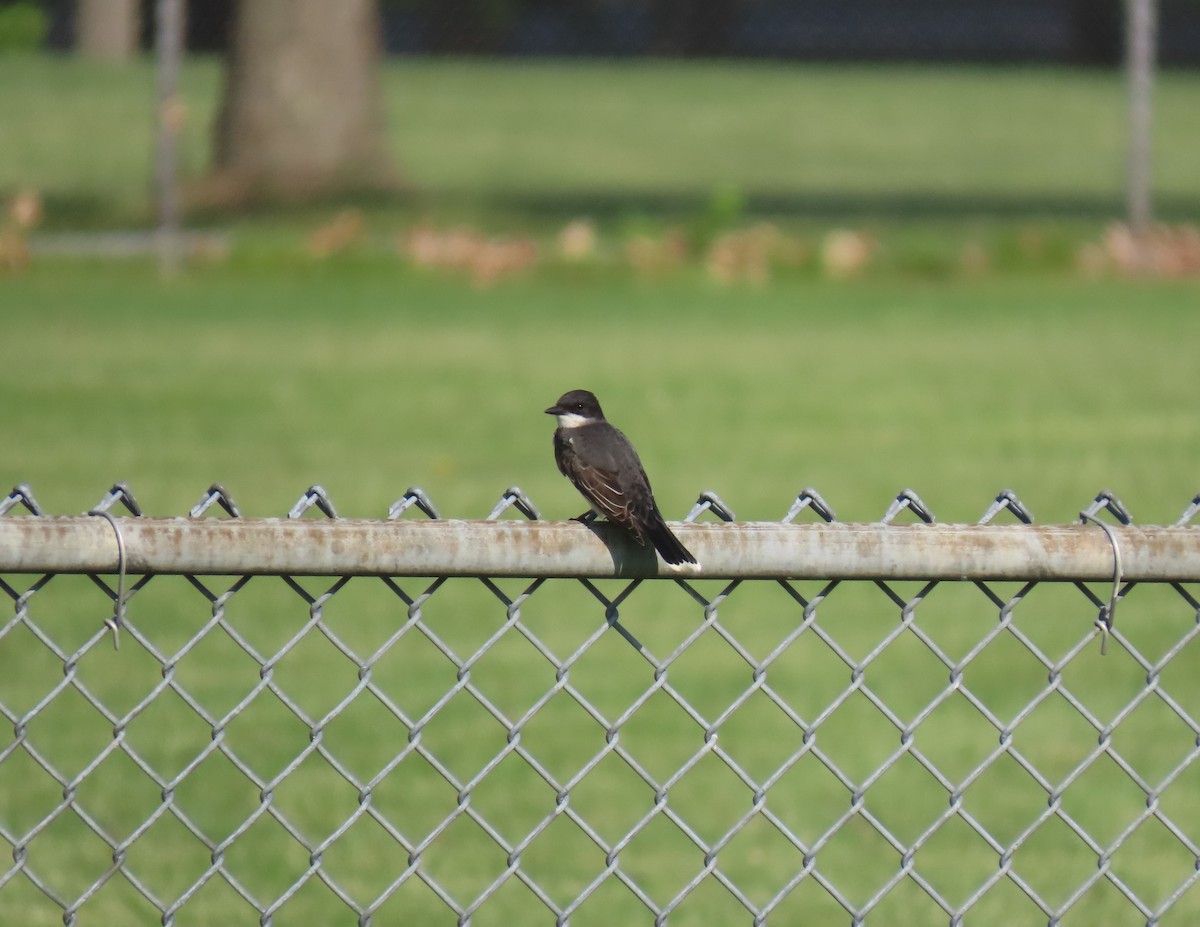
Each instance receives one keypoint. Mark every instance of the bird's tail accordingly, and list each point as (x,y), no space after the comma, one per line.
(665,542)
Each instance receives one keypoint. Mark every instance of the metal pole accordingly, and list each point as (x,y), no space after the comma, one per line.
(1141,41)
(447,547)
(169,24)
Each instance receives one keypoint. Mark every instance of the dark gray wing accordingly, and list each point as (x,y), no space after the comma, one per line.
(604,467)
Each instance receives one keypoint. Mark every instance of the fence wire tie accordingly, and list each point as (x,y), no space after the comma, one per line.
(118,615)
(1107,612)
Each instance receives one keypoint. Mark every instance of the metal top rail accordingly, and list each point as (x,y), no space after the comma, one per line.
(452,547)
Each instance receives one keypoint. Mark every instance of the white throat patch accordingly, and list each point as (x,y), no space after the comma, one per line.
(572,420)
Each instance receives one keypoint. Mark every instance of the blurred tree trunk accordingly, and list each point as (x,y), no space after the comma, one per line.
(107,29)
(302,112)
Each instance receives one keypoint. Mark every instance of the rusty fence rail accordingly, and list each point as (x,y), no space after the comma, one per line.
(496,721)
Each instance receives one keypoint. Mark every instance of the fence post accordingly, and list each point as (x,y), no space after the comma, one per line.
(1140,45)
(169,22)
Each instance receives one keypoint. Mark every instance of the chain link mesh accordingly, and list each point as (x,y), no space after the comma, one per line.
(365,750)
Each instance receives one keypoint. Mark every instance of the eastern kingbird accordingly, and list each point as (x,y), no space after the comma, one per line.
(605,468)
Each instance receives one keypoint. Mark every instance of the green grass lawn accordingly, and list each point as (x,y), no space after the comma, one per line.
(368,378)
(629,138)
(270,372)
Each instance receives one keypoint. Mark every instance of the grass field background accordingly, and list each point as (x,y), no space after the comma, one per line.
(553,138)
(270,371)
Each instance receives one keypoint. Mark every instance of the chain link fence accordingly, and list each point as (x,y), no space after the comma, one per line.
(281,748)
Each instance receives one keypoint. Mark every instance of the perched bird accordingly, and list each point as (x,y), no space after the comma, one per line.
(605,468)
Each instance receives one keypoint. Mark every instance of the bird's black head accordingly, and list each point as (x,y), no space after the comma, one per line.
(579,406)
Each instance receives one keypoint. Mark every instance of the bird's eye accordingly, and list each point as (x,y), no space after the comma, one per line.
(579,406)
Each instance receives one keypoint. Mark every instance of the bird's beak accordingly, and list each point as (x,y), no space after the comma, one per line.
(553,410)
